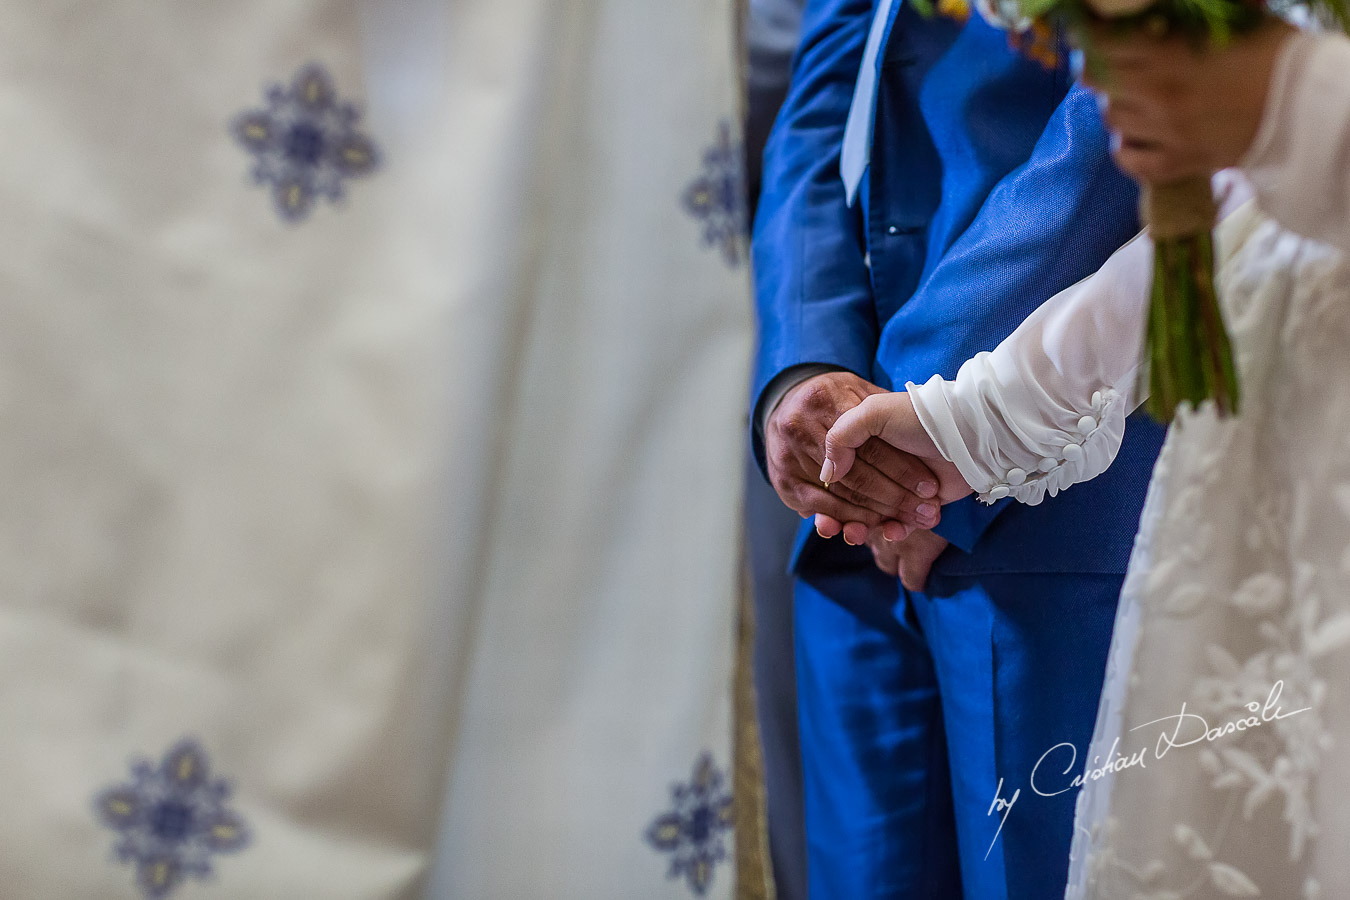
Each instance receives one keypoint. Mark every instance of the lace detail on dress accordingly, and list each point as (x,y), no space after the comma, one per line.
(1231,637)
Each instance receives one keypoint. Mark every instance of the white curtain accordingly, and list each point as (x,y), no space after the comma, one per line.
(367,531)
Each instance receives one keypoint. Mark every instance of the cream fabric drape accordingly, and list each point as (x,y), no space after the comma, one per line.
(401,516)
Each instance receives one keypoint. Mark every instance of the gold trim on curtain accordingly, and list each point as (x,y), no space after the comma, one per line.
(754,874)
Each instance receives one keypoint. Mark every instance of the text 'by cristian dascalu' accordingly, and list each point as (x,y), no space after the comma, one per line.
(1184,729)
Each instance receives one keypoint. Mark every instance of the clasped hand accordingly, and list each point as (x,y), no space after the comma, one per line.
(888,480)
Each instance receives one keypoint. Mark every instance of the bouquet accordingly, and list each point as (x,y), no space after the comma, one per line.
(1190,356)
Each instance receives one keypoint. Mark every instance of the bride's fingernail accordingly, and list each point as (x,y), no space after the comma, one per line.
(827,471)
(927,490)
(927,510)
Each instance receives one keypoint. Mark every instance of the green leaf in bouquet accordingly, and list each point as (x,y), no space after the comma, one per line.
(1040,9)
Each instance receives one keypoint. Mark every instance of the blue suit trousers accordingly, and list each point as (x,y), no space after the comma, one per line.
(917,711)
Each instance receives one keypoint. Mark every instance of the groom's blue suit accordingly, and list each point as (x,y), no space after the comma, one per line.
(990,189)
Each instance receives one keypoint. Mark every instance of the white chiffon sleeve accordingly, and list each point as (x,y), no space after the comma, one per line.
(1299,162)
(1046,408)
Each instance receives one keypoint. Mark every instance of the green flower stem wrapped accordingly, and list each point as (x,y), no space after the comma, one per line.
(1189,351)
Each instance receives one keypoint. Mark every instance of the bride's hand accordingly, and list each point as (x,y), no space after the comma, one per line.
(1179,110)
(890,417)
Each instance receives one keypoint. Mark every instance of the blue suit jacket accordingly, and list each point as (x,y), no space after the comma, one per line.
(990,189)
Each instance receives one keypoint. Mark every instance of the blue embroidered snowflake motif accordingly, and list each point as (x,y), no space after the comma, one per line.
(717,198)
(305,144)
(171,819)
(694,830)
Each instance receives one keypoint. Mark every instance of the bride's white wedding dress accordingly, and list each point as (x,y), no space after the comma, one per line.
(1220,765)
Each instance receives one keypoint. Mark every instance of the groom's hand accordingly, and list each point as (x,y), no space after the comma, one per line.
(909,560)
(885,484)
